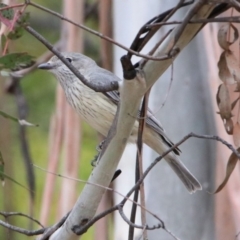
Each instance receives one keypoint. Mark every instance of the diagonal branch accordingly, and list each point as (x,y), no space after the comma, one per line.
(131,93)
(98,87)
(96,33)
(154,69)
(21,230)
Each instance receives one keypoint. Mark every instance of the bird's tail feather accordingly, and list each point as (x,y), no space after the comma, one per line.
(190,182)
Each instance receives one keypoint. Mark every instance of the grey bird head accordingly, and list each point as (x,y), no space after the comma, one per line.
(65,76)
(85,65)
(78,60)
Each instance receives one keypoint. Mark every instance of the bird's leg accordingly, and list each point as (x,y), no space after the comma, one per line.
(99,149)
(100,146)
(94,161)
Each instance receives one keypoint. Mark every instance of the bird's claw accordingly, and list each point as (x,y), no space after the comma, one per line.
(100,146)
(94,161)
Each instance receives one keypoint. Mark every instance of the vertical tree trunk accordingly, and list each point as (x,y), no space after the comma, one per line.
(188,109)
(226,207)
(74,43)
(128,18)
(105,27)
(65,128)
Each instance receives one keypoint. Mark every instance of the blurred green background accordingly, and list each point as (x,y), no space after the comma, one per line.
(39,90)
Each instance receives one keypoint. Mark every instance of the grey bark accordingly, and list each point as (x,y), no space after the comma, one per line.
(188,109)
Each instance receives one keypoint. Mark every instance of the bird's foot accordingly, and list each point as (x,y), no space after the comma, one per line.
(100,146)
(94,161)
(99,149)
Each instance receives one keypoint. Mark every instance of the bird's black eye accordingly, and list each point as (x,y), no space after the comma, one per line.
(69,59)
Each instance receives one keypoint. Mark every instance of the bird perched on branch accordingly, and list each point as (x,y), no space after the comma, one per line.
(99,109)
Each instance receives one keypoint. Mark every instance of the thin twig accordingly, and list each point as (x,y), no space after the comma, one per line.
(80,230)
(103,214)
(138,169)
(190,135)
(174,10)
(124,217)
(153,50)
(146,227)
(98,34)
(10,214)
(142,123)
(140,41)
(196,6)
(126,197)
(158,159)
(22,230)
(12,6)
(235,4)
(167,93)
(96,87)
(234,19)
(49,231)
(43,58)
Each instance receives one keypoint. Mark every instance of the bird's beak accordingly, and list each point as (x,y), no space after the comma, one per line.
(45,66)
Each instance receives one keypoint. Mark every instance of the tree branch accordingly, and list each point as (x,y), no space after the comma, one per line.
(154,69)
(10,214)
(96,87)
(22,230)
(97,33)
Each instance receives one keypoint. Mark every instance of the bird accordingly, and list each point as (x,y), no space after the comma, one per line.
(99,109)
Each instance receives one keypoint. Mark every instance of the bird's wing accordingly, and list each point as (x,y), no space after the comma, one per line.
(153,123)
(104,76)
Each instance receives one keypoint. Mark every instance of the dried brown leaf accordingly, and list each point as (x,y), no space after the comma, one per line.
(233,65)
(235,34)
(228,124)
(224,73)
(223,101)
(223,36)
(236,135)
(230,167)
(225,107)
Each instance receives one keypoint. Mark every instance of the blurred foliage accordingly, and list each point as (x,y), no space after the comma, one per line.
(8,13)
(39,90)
(16,61)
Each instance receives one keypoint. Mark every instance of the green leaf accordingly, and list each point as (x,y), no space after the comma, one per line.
(24,19)
(20,121)
(16,33)
(16,61)
(8,13)
(18,30)
(3,41)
